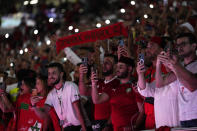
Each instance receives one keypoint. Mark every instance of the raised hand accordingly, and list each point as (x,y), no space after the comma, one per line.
(140,68)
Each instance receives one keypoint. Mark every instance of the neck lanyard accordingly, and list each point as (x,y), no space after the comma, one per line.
(60,102)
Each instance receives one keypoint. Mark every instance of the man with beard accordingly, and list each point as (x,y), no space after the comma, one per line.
(126,104)
(186,75)
(65,99)
(101,111)
(165,99)
(147,76)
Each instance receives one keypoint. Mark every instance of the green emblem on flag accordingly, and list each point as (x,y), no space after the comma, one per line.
(24,106)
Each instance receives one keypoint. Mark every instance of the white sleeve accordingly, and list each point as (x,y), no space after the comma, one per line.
(149,91)
(49,99)
(74,92)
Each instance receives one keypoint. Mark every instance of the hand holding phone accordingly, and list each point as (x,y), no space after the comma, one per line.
(141,58)
(121,42)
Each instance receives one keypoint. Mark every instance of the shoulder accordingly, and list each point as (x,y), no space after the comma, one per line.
(70,85)
(192,67)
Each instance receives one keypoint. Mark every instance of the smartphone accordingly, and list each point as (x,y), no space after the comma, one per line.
(141,58)
(168,47)
(85,61)
(121,42)
(93,69)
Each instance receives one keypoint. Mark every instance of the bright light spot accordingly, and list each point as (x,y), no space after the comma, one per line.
(107,21)
(7,35)
(21,52)
(151,6)
(35,32)
(11,64)
(26,2)
(26,50)
(65,59)
(48,42)
(132,2)
(70,27)
(35,57)
(51,20)
(98,25)
(145,16)
(76,30)
(138,21)
(122,10)
(32,2)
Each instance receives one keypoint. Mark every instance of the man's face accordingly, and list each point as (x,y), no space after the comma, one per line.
(107,66)
(152,50)
(53,76)
(184,48)
(122,70)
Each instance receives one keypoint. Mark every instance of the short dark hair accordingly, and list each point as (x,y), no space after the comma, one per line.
(57,65)
(30,82)
(190,36)
(128,61)
(114,57)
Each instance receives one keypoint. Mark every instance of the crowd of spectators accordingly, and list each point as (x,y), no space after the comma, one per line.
(26,53)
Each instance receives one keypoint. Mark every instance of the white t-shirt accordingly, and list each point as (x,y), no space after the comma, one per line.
(165,103)
(188,99)
(66,95)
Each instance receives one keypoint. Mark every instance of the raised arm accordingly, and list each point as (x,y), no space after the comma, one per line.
(187,78)
(82,86)
(5,104)
(96,97)
(141,79)
(161,80)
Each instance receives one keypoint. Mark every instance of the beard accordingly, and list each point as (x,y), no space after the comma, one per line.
(107,73)
(123,75)
(186,54)
(54,83)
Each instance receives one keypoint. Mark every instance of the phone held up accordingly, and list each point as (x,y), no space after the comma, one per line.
(85,61)
(121,42)
(141,58)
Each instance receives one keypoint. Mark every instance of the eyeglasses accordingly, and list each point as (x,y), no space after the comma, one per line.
(181,45)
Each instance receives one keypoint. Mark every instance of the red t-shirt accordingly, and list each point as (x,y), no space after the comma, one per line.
(26,117)
(123,100)
(103,111)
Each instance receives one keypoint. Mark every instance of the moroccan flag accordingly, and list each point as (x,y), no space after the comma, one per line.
(91,36)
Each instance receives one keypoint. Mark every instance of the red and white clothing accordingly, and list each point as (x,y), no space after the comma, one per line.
(103,111)
(165,100)
(62,100)
(165,103)
(188,99)
(123,101)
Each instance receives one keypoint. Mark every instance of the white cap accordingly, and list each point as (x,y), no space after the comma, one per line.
(188,26)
